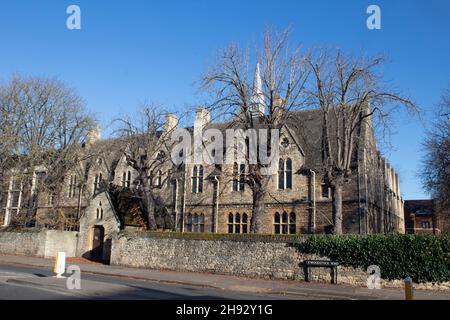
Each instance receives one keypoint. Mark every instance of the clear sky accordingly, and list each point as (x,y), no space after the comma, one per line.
(131,51)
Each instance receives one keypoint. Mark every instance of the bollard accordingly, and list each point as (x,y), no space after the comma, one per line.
(408,289)
(60,264)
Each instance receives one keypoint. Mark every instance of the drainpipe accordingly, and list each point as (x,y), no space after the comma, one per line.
(216,216)
(313,196)
(176,203)
(184,201)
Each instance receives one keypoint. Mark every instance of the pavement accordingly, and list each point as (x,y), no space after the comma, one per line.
(99,280)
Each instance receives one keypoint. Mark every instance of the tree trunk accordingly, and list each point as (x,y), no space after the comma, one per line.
(258,210)
(149,205)
(337,206)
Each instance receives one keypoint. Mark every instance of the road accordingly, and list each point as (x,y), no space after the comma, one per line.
(25,283)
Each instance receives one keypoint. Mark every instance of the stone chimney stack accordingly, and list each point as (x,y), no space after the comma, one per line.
(170,123)
(202,118)
(93,135)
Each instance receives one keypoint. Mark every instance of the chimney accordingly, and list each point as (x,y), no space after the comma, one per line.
(93,135)
(202,117)
(170,122)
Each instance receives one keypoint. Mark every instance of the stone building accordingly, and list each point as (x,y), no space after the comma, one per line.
(212,198)
(206,197)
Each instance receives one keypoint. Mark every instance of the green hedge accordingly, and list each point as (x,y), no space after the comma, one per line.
(425,258)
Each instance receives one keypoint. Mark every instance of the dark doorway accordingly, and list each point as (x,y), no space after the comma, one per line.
(97,243)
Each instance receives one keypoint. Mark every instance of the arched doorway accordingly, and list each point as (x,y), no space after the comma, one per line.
(97,243)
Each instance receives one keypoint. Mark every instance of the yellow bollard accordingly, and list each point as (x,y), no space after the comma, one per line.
(408,289)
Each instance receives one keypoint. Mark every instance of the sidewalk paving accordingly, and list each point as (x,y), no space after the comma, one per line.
(231,283)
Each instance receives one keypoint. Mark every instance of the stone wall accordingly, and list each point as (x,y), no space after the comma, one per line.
(41,243)
(57,241)
(27,242)
(274,260)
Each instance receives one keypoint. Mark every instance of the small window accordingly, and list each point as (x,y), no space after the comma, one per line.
(189,223)
(99,211)
(238,177)
(325,190)
(197,179)
(237,223)
(230,223)
(285,174)
(426,225)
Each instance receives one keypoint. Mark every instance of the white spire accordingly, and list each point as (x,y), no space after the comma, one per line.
(258,103)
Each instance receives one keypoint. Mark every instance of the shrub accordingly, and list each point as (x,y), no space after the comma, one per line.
(423,257)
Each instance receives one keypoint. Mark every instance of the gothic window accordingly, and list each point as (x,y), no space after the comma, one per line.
(195,222)
(325,189)
(238,177)
(159,179)
(292,223)
(237,223)
(97,182)
(281,174)
(244,223)
(50,198)
(197,179)
(230,223)
(285,174)
(72,186)
(99,211)
(284,223)
(276,223)
(189,223)
(128,179)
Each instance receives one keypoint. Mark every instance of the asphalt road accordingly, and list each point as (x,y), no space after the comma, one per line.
(14,285)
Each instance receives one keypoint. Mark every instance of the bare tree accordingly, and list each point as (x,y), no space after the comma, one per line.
(43,126)
(263,101)
(435,170)
(350,92)
(146,147)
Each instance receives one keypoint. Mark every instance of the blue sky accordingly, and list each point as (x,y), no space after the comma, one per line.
(131,51)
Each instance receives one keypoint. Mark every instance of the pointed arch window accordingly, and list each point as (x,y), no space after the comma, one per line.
(97,182)
(285,174)
(285,223)
(189,222)
(72,186)
(126,179)
(237,223)
(238,177)
(159,179)
(195,222)
(99,211)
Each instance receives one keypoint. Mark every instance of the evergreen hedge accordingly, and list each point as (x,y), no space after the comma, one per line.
(423,257)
